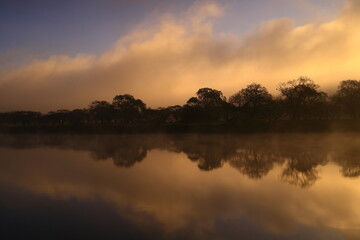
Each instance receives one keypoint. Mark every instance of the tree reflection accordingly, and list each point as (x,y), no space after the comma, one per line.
(123,150)
(348,158)
(253,163)
(302,162)
(123,154)
(209,151)
(299,156)
(301,171)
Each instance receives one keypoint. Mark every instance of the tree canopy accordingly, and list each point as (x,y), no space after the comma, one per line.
(252,108)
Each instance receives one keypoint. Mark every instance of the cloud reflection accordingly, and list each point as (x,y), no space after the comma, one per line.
(168,186)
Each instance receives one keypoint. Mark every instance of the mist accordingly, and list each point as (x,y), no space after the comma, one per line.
(167,63)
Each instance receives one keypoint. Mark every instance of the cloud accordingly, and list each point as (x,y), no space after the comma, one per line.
(167,63)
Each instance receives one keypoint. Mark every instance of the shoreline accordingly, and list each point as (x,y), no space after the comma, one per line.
(301,126)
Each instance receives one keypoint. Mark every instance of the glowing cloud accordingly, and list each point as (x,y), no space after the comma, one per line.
(167,63)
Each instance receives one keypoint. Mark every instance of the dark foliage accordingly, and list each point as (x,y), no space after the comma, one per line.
(300,106)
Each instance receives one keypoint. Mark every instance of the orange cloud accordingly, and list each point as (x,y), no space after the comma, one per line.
(167,63)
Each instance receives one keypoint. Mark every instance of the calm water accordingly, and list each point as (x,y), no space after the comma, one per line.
(180,186)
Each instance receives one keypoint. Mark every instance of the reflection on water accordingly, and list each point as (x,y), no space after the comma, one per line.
(288,186)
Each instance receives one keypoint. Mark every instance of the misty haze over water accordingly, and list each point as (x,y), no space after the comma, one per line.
(189,186)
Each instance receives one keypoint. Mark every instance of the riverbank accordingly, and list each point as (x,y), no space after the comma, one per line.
(245,127)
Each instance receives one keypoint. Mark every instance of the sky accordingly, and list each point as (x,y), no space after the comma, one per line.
(65,54)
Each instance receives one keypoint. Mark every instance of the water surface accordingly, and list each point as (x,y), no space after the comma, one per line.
(290,186)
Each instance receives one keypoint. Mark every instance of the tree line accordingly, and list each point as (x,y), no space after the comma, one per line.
(300,104)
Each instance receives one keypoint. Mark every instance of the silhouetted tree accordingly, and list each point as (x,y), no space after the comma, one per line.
(128,109)
(101,111)
(208,97)
(193,102)
(209,106)
(348,98)
(249,110)
(172,114)
(302,98)
(61,116)
(253,99)
(78,116)
(20,117)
